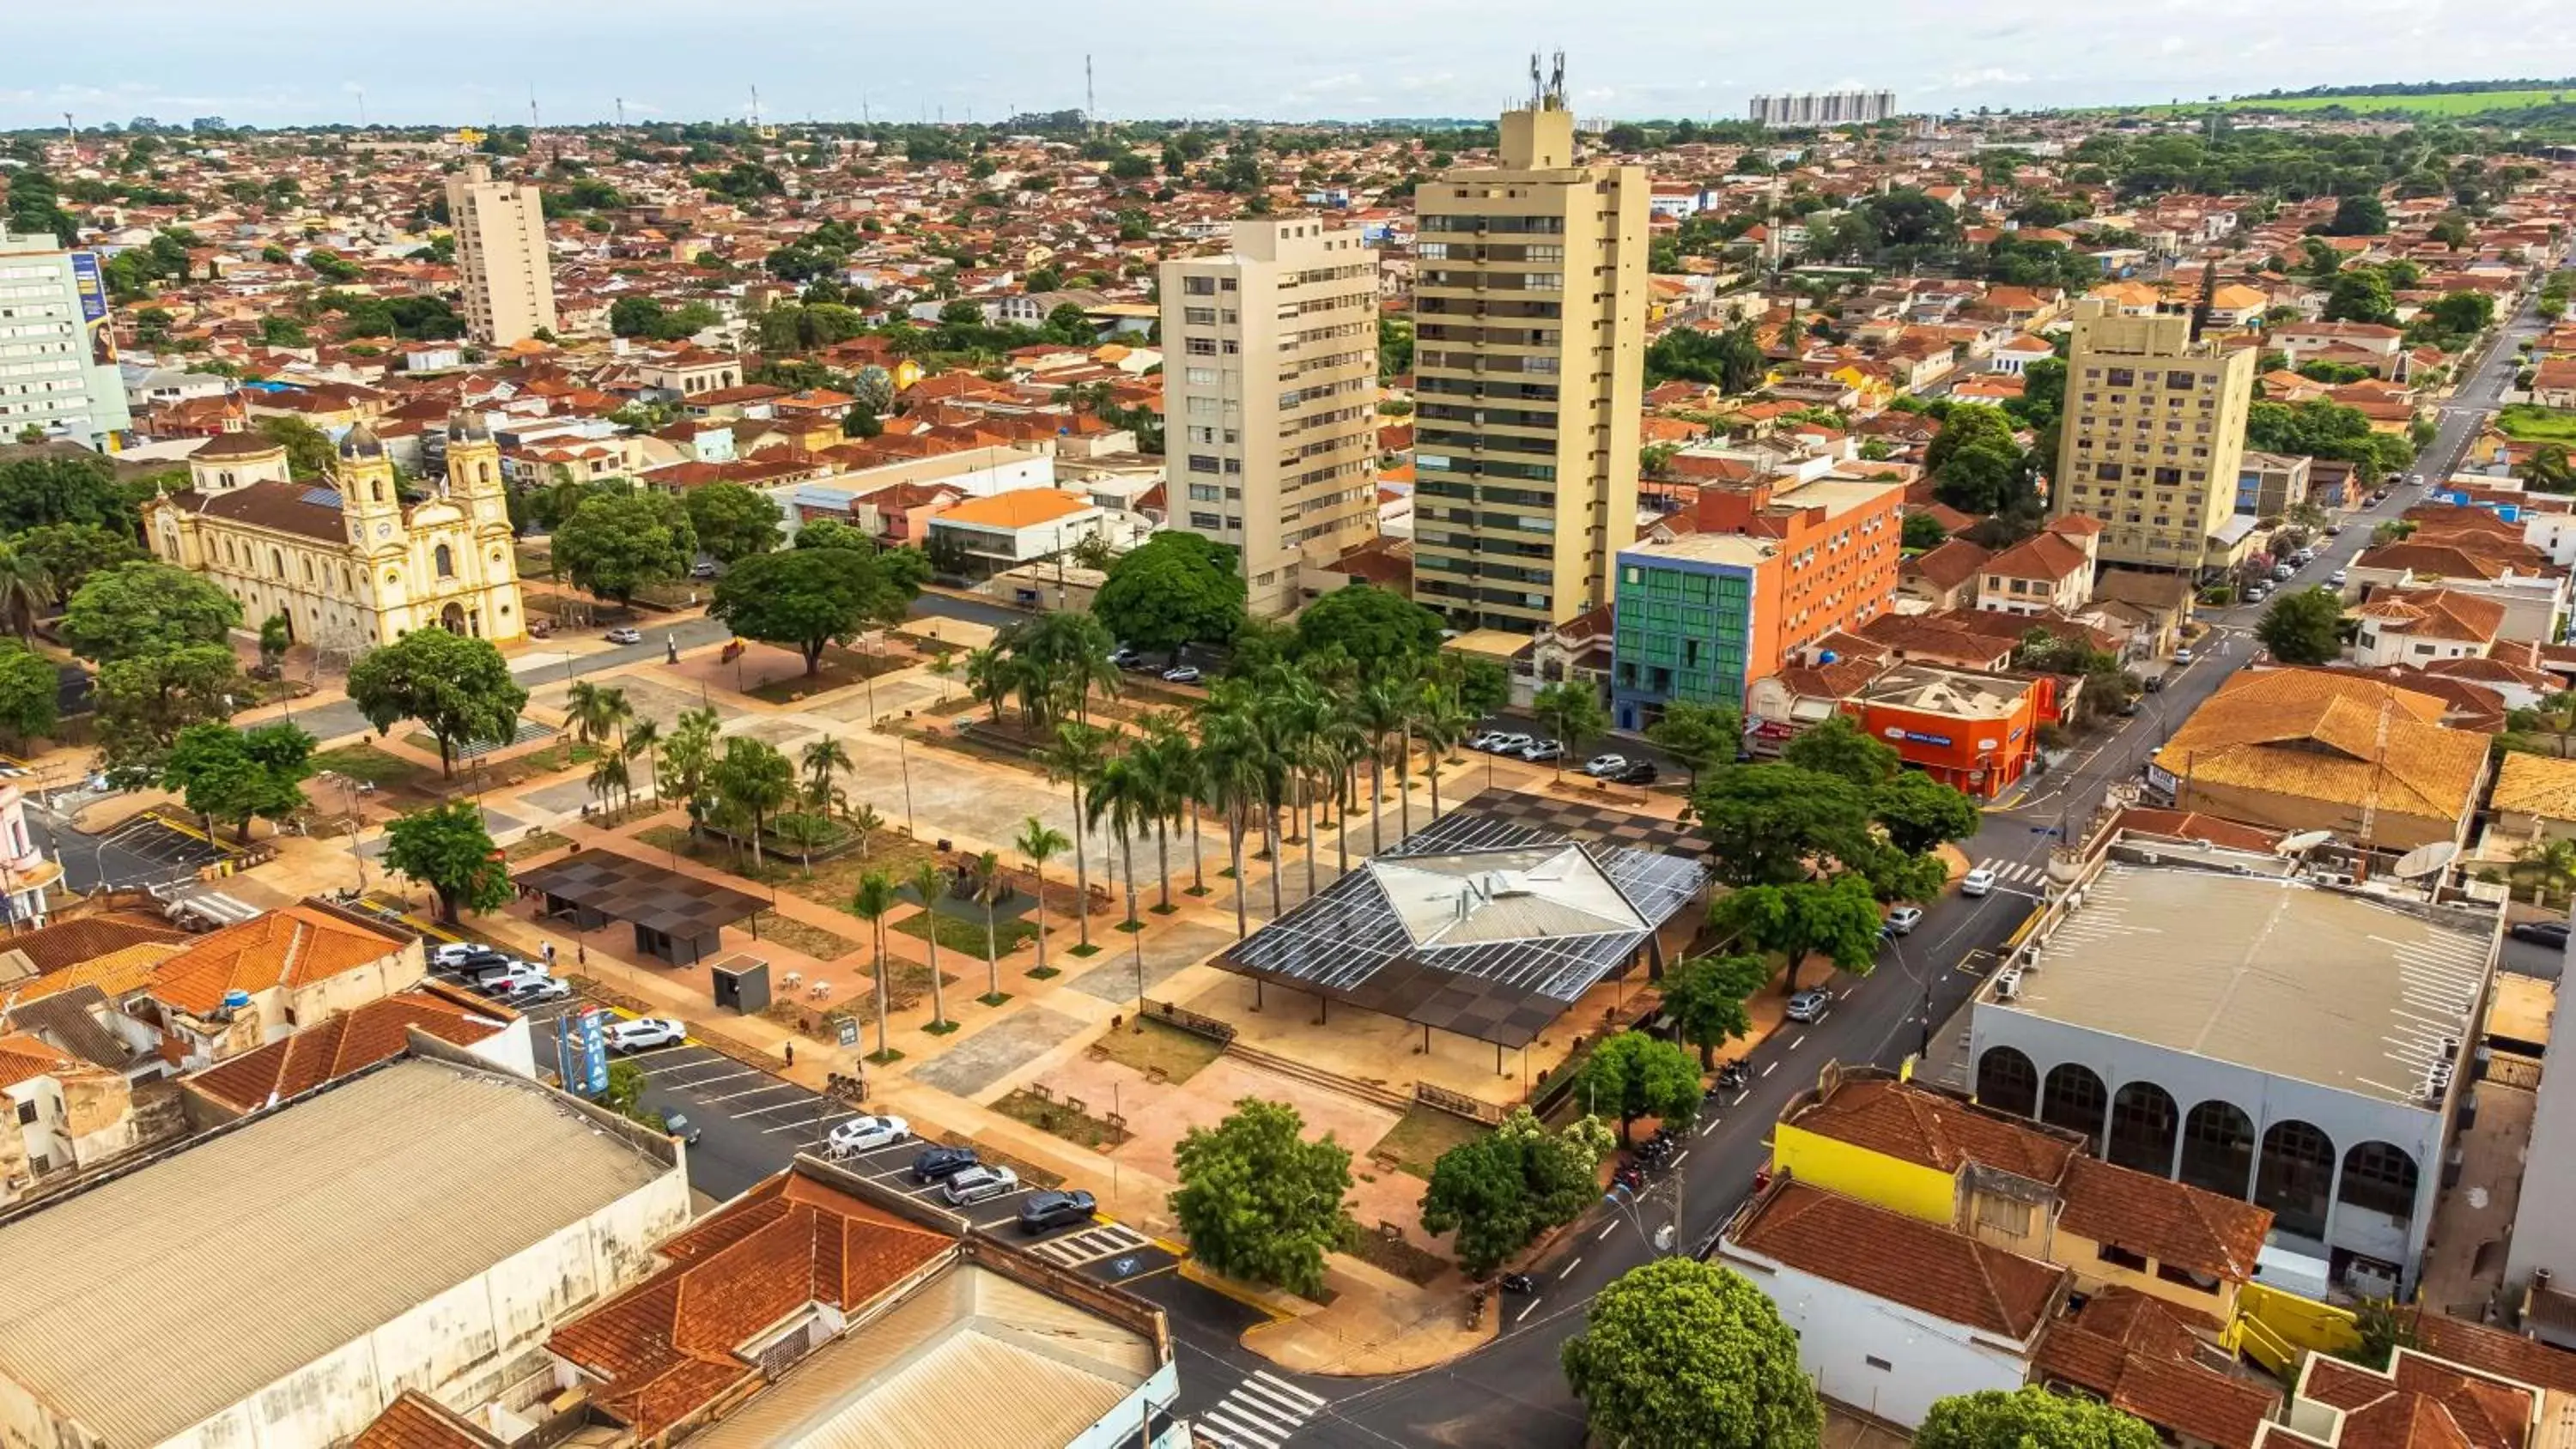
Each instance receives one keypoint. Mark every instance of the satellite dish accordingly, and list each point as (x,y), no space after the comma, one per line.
(2303,842)
(2424,860)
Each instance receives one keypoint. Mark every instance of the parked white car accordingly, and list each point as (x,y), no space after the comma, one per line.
(644,1032)
(862,1134)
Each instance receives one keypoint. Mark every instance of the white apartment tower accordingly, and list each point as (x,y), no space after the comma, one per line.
(58,374)
(1269,398)
(500,229)
(1529,362)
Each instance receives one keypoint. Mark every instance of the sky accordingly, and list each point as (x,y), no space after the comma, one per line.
(452,62)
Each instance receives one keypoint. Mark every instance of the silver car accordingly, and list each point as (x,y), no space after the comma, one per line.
(980,1183)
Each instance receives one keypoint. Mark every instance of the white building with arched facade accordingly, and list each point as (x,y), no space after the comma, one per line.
(347,561)
(2214,1017)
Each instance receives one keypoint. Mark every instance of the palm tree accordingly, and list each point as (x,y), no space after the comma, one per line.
(1442,722)
(2550,865)
(874,897)
(596,712)
(1075,759)
(26,587)
(927,881)
(608,776)
(1125,793)
(1379,710)
(688,762)
(1163,759)
(988,678)
(641,739)
(824,761)
(804,832)
(1232,751)
(986,871)
(1299,738)
(1340,740)
(865,822)
(755,778)
(1040,842)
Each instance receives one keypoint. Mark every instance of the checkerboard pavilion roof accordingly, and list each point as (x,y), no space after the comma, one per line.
(1488,923)
(625,889)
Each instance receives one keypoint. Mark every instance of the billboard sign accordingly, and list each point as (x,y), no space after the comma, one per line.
(91,285)
(593,1062)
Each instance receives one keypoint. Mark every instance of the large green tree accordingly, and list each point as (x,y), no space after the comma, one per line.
(30,691)
(2029,1418)
(1500,1191)
(235,776)
(809,597)
(70,552)
(1920,813)
(1176,589)
(1837,918)
(1634,1075)
(2361,294)
(1699,736)
(619,545)
(459,688)
(1705,998)
(1836,746)
(2304,626)
(1257,1200)
(1684,1352)
(142,608)
(448,849)
(46,488)
(145,701)
(1379,629)
(733,522)
(1768,823)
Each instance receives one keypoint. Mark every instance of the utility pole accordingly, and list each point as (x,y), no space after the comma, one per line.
(621,113)
(1090,98)
(362,108)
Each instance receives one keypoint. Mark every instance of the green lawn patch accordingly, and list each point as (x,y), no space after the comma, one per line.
(1421,1135)
(369,765)
(1160,1046)
(2531,423)
(965,937)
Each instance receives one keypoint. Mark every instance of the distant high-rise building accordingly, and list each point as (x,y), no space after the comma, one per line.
(1529,358)
(1824,108)
(1270,398)
(500,229)
(2153,439)
(57,355)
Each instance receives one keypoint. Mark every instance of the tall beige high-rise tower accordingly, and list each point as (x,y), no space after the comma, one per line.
(1269,398)
(500,229)
(1529,358)
(2153,438)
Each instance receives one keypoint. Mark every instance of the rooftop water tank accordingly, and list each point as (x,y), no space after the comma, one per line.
(236,1000)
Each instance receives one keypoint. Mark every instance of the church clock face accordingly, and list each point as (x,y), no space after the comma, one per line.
(384,530)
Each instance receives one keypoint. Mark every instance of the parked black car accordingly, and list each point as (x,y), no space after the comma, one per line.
(1639,772)
(941,1163)
(2542,933)
(1040,1211)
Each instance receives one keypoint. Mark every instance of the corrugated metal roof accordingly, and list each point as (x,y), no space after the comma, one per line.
(161,1298)
(972,1353)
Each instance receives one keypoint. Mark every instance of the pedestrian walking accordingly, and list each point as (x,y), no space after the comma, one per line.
(549,949)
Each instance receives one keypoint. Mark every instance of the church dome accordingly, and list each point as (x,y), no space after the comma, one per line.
(361,442)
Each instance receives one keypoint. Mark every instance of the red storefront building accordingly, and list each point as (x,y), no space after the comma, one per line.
(1978,732)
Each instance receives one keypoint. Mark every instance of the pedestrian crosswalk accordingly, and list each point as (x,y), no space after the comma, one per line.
(2016,872)
(1259,1413)
(1091,1245)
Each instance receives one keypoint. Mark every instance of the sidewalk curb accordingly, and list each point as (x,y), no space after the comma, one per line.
(1214,1283)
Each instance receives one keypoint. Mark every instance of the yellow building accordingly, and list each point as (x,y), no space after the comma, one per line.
(1529,364)
(349,562)
(2153,437)
(2033,1190)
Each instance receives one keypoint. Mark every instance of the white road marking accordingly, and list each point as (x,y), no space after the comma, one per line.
(1795,1042)
(1766,1071)
(1606,1230)
(781,1107)
(754,1092)
(1711,1127)
(807,1125)
(1569,1268)
(1525,1310)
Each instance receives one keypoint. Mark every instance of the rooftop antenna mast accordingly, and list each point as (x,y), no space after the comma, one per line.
(362,108)
(71,132)
(1090,97)
(621,113)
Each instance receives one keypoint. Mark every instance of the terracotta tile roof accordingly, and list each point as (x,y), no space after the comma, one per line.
(346,1041)
(1945,568)
(2316,733)
(1019,508)
(290,948)
(84,938)
(23,1057)
(2494,1351)
(288,507)
(417,1421)
(2536,785)
(2040,556)
(1932,1129)
(2192,825)
(2421,1403)
(117,974)
(72,1020)
(669,1346)
(2126,1349)
(2169,1221)
(1903,1260)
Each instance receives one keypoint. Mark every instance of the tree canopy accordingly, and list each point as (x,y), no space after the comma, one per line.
(1177,588)
(447,848)
(1685,1352)
(1837,918)
(2029,1418)
(142,608)
(42,488)
(234,776)
(145,700)
(30,691)
(1634,1075)
(1764,823)
(733,522)
(1370,625)
(617,545)
(1257,1200)
(1498,1192)
(809,597)
(2304,626)
(459,689)
(1705,997)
